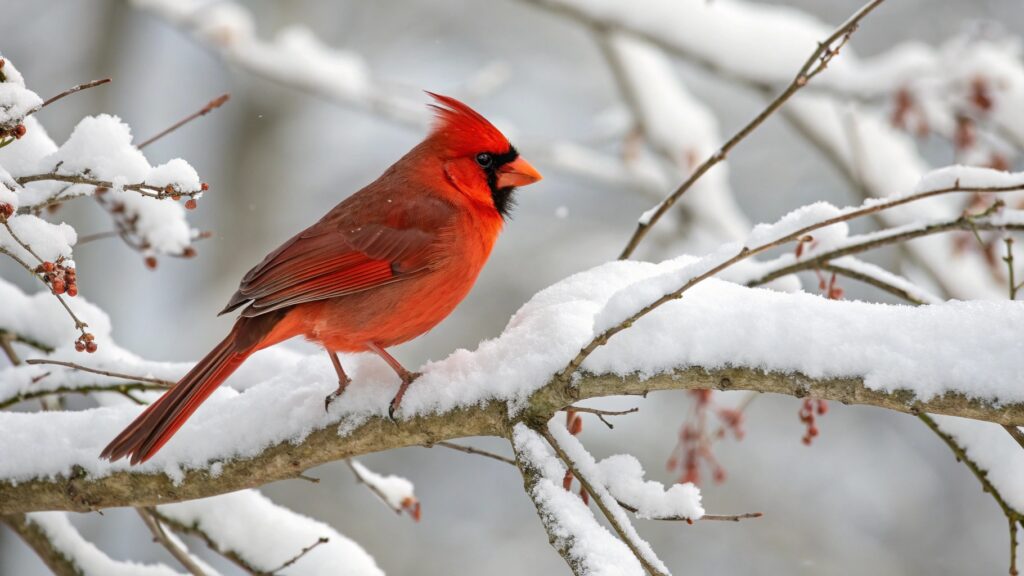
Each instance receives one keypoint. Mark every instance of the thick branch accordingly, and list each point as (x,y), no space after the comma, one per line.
(287,460)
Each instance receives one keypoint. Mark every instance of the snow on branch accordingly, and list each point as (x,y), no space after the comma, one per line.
(64,551)
(589,548)
(264,538)
(395,491)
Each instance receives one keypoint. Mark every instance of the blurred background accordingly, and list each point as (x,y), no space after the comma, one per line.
(876,493)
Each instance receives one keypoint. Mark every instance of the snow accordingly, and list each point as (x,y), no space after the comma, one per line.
(101,147)
(684,131)
(623,475)
(797,220)
(397,492)
(16,101)
(928,350)
(969,177)
(994,451)
(584,463)
(895,280)
(593,549)
(49,241)
(90,560)
(267,535)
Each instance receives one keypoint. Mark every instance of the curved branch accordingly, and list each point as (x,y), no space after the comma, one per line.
(885,238)
(287,460)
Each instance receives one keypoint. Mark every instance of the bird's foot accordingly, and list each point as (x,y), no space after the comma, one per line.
(342,385)
(407,378)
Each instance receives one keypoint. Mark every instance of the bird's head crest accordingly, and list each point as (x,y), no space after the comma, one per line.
(463,128)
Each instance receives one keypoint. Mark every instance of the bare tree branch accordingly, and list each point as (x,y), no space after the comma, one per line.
(37,539)
(149,518)
(74,89)
(157,382)
(815,64)
(209,107)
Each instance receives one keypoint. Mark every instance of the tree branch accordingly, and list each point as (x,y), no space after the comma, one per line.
(42,545)
(815,64)
(79,492)
(148,515)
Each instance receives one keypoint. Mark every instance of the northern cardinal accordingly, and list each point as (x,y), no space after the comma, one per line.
(382,267)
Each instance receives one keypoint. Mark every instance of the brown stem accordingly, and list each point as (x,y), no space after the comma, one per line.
(148,515)
(210,107)
(815,64)
(74,89)
(158,382)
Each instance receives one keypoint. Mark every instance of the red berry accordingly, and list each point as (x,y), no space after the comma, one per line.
(204,186)
(73,290)
(151,262)
(169,190)
(191,204)
(79,346)
(48,266)
(90,347)
(6,210)
(58,286)
(19,130)
(88,337)
(188,252)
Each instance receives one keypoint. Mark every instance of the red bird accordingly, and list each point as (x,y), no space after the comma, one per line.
(382,267)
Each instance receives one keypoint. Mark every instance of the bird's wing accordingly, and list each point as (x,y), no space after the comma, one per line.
(336,256)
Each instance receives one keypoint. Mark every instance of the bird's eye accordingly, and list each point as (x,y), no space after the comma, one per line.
(484,160)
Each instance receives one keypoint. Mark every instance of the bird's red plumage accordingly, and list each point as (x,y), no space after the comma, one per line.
(384,266)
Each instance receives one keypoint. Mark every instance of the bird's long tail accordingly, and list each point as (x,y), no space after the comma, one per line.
(155,426)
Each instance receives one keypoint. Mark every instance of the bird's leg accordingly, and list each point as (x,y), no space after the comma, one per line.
(406,376)
(343,380)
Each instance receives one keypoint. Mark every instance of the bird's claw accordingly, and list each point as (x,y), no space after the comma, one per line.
(396,402)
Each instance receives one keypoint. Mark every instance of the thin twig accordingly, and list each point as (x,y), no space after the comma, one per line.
(708,517)
(5,345)
(884,238)
(303,552)
(815,64)
(195,530)
(747,252)
(78,88)
(602,413)
(472,450)
(97,236)
(605,507)
(157,381)
(149,518)
(158,192)
(873,281)
(373,488)
(79,325)
(122,389)
(210,107)
(1012,515)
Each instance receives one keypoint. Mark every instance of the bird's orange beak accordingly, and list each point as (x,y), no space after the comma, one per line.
(517,173)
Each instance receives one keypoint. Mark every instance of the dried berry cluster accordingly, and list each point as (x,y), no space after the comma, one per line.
(127,224)
(61,277)
(809,412)
(86,343)
(6,211)
(696,442)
